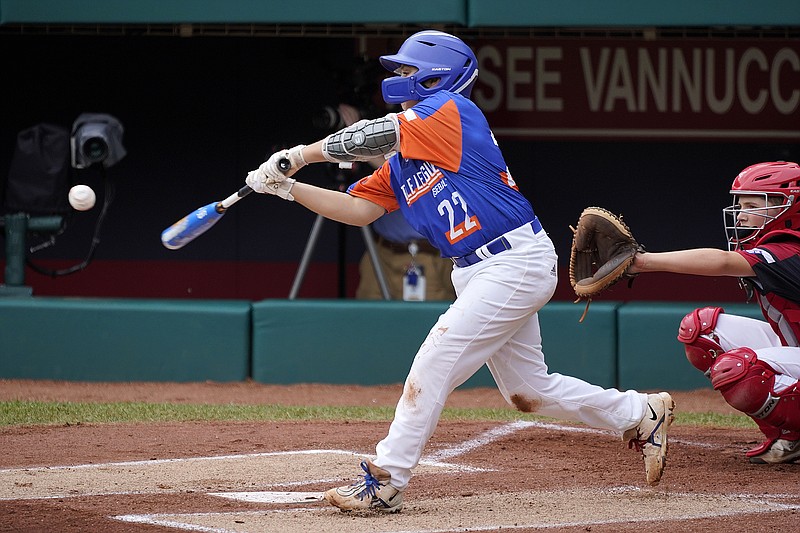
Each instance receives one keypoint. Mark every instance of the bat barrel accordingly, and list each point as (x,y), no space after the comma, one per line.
(200,220)
(191,226)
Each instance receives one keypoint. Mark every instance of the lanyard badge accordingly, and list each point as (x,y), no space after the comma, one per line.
(414,278)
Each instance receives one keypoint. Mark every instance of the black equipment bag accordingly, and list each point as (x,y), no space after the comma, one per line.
(38,180)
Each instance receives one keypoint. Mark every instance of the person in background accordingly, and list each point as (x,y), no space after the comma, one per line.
(396,240)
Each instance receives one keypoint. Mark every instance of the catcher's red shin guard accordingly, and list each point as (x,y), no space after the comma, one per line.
(747,384)
(696,332)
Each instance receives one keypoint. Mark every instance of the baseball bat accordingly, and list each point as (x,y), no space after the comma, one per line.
(200,220)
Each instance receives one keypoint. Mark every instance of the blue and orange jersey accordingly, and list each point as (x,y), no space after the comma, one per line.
(449,177)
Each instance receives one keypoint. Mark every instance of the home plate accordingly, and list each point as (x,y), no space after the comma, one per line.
(271,497)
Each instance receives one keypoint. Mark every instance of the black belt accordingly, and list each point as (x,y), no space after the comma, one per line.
(498,245)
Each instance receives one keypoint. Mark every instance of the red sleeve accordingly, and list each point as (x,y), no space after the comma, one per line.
(376,188)
(771,253)
(749,257)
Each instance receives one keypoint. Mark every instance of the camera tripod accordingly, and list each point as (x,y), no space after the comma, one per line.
(311,243)
(369,242)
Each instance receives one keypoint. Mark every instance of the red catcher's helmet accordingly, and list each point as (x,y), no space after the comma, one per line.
(774,180)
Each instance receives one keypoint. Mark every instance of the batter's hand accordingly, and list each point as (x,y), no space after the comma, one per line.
(282,189)
(269,173)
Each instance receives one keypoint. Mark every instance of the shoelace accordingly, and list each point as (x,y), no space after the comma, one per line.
(371,485)
(641,443)
(637,443)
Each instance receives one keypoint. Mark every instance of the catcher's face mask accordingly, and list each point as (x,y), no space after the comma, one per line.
(765,199)
(752,213)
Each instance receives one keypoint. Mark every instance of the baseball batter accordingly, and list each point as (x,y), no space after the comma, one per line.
(754,364)
(445,172)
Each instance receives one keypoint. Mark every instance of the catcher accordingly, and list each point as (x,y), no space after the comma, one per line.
(753,363)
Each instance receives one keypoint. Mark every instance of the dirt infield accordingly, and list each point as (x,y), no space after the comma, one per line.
(267,476)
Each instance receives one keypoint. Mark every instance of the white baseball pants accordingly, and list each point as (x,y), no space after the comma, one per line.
(494,321)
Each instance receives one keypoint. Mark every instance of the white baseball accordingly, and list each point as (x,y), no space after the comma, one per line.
(82,197)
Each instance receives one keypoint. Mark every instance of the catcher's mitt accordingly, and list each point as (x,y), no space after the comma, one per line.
(603,248)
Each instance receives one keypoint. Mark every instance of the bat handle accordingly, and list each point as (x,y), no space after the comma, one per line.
(283,164)
(223,206)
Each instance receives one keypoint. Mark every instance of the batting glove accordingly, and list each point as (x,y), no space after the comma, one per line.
(282,189)
(270,172)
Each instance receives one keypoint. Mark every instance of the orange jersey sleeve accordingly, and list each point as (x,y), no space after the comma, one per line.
(376,188)
(436,138)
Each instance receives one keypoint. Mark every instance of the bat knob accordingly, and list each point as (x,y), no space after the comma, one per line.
(284,164)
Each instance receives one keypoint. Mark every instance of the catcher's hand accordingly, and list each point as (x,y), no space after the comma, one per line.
(603,248)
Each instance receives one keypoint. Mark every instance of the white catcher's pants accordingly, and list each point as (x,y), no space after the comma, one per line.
(494,321)
(738,331)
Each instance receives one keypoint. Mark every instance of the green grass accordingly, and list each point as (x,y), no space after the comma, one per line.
(715,420)
(16,413)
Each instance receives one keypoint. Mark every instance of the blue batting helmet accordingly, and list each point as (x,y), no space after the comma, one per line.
(437,55)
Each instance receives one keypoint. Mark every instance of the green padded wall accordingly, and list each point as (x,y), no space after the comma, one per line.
(370,343)
(586,350)
(233,11)
(650,355)
(629,345)
(338,341)
(475,13)
(648,13)
(124,340)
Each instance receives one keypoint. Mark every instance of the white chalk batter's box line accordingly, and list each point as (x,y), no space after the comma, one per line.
(757,504)
(161,520)
(450,467)
(434,459)
(431,459)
